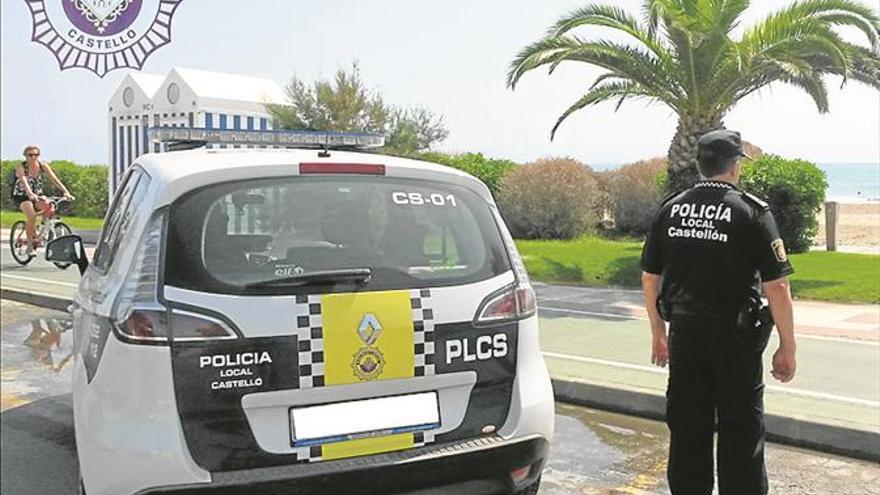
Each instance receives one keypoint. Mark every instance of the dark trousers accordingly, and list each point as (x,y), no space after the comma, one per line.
(713,368)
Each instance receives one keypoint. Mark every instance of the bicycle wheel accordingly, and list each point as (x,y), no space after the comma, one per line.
(59,230)
(18,243)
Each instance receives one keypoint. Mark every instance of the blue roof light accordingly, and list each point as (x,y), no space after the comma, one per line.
(273,138)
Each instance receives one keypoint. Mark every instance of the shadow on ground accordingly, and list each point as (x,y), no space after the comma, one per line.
(39,448)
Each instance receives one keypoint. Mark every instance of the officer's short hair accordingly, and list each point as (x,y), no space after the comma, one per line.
(710,166)
(718,151)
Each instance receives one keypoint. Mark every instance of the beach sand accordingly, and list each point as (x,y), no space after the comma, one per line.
(858,225)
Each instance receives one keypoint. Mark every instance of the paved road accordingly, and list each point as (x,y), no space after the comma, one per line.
(594,452)
(598,336)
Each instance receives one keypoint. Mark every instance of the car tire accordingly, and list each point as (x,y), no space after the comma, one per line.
(531,489)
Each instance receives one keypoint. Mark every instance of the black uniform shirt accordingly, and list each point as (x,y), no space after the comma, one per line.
(714,244)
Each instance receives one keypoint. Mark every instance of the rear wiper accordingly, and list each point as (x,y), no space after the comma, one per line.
(361,275)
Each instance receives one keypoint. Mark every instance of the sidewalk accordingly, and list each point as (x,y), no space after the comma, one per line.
(88,236)
(817,318)
(597,345)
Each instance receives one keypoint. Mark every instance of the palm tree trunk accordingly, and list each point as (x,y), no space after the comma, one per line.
(682,154)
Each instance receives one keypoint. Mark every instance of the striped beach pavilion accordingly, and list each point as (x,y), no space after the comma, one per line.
(183,98)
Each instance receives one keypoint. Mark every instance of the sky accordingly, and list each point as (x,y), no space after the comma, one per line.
(450,56)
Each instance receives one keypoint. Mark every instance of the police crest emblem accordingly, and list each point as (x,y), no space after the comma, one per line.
(368,362)
(778,248)
(102,35)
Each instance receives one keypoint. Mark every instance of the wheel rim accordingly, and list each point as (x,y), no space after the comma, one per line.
(61,230)
(19,243)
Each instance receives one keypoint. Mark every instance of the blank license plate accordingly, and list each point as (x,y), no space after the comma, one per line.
(342,421)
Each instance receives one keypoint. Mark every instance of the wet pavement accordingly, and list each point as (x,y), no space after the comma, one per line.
(594,452)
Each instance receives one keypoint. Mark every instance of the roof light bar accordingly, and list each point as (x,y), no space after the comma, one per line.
(273,138)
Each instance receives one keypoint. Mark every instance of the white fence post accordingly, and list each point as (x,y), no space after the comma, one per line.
(832,215)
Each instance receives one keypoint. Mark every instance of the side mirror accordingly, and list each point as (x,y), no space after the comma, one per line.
(68,249)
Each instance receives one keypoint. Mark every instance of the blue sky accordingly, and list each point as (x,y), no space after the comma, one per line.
(450,56)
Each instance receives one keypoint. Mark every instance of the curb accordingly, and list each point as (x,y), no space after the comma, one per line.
(51,301)
(780,429)
(832,439)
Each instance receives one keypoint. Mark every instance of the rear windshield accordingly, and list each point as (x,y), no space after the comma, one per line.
(234,237)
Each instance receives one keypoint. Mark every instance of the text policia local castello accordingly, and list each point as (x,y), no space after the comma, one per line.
(698,221)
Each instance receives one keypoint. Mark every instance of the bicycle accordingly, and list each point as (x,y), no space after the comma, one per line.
(50,227)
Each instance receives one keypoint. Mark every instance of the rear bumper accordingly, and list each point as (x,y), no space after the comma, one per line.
(479,466)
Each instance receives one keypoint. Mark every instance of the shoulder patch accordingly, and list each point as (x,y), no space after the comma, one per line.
(755,201)
(778,248)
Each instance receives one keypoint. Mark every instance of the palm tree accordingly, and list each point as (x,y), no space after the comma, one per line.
(684,54)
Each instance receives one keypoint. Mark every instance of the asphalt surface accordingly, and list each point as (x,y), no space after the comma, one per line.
(593,452)
(597,336)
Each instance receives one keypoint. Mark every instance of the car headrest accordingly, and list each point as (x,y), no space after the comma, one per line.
(347,224)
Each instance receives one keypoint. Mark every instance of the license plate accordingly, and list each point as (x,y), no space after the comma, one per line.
(341,421)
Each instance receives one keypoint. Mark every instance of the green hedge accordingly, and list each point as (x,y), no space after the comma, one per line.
(795,190)
(87,183)
(488,170)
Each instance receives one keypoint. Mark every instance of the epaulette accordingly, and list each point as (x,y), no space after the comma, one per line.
(755,201)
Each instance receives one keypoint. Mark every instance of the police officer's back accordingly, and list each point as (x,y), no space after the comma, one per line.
(709,251)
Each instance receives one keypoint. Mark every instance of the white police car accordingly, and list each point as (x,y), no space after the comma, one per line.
(304,321)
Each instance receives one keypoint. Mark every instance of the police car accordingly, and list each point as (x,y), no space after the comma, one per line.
(302,321)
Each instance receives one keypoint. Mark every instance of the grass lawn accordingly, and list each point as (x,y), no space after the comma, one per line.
(7,218)
(592,261)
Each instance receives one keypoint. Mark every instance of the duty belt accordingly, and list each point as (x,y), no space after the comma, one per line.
(705,310)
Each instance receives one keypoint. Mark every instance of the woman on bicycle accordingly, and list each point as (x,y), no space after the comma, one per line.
(28,191)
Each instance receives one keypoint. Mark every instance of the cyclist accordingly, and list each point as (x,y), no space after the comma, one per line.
(28,191)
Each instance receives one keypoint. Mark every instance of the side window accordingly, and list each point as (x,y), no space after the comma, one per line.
(119,219)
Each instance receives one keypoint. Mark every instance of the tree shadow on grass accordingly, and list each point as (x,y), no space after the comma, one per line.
(624,271)
(798,287)
(561,272)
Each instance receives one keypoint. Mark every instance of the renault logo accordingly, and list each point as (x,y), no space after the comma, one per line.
(369,329)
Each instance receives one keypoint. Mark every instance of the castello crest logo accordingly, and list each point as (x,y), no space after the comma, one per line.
(102,35)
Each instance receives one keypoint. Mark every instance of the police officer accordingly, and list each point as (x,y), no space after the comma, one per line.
(711,250)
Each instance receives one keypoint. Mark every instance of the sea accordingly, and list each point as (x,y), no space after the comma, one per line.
(852,181)
(846,181)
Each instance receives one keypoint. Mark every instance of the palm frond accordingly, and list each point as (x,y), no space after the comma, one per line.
(651,12)
(683,52)
(831,13)
(539,53)
(729,12)
(814,86)
(602,93)
(615,18)
(865,65)
(627,62)
(609,76)
(860,23)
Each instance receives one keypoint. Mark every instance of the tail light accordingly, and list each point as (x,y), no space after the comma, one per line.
(513,302)
(516,301)
(148,325)
(520,475)
(138,314)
